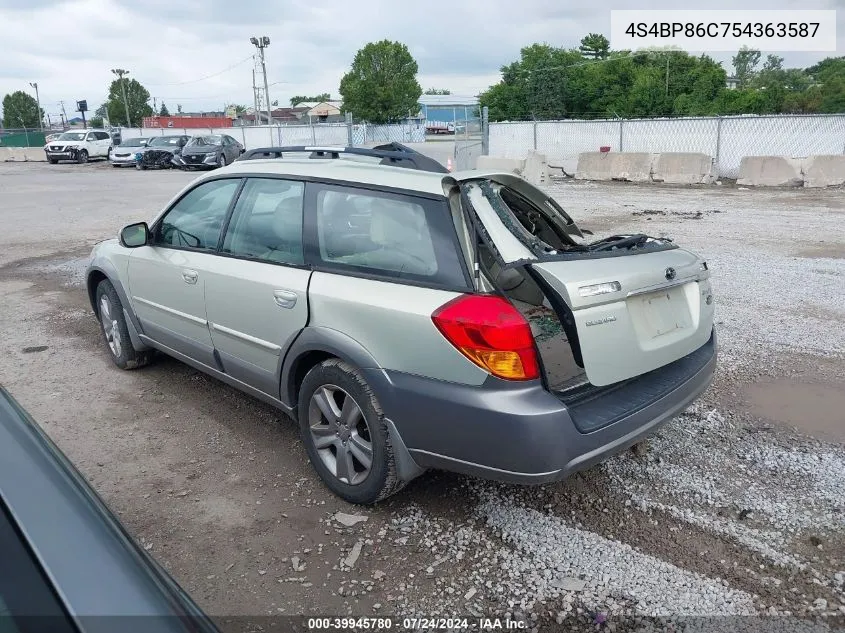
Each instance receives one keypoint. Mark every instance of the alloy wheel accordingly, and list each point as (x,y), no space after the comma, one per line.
(340,434)
(110,327)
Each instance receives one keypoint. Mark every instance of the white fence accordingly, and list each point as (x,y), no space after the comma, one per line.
(726,139)
(333,134)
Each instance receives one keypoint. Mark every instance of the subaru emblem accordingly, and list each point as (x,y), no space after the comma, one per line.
(670,273)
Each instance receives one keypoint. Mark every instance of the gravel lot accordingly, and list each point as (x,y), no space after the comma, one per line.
(735,508)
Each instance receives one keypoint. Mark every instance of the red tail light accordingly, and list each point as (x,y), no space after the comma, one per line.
(490,332)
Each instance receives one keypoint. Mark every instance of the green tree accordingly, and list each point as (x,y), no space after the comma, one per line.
(833,95)
(827,68)
(595,46)
(745,65)
(807,102)
(178,108)
(323,96)
(163,111)
(20,109)
(382,84)
(438,91)
(137,102)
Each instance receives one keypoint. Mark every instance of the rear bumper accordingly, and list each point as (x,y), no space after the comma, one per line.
(523,433)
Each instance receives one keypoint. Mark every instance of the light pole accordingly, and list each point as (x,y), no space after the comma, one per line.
(261,43)
(120,73)
(38,103)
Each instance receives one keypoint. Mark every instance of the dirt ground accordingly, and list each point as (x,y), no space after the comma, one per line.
(217,487)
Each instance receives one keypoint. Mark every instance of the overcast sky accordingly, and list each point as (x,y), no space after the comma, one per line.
(69,48)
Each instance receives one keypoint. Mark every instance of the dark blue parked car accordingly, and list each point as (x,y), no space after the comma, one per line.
(66,562)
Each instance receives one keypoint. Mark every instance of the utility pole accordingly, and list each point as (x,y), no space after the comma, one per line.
(38,103)
(254,98)
(64,115)
(120,73)
(261,43)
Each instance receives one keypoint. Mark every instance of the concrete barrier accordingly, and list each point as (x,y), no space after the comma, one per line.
(513,165)
(770,171)
(34,154)
(824,171)
(683,168)
(536,169)
(630,166)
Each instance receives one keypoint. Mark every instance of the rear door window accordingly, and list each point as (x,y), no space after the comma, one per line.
(390,235)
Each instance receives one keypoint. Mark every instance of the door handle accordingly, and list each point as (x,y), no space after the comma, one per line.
(190,276)
(285,298)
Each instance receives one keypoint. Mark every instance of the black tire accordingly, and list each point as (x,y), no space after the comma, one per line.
(127,357)
(53,161)
(82,156)
(382,479)
(140,167)
(115,165)
(221,160)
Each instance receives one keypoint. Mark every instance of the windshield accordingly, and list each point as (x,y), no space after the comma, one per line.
(72,136)
(134,142)
(165,140)
(214,139)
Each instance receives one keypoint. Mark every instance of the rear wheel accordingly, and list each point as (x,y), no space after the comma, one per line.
(343,429)
(82,156)
(115,332)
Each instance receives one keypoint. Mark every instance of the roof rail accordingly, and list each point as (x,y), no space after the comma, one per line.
(393,154)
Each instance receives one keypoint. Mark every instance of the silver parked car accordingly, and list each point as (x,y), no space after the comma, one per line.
(410,318)
(124,154)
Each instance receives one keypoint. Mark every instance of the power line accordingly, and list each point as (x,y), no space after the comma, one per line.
(193,81)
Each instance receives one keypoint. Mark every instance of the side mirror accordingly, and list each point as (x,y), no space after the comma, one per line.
(135,235)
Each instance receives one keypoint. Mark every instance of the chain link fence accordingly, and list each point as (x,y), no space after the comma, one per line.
(725,139)
(348,133)
(470,140)
(23,137)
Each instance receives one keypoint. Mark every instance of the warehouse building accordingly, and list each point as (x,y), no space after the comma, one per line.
(449,108)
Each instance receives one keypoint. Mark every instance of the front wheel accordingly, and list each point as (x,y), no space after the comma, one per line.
(82,156)
(115,332)
(343,429)
(221,162)
(140,167)
(53,161)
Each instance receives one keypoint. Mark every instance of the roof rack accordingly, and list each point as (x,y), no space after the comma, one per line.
(393,154)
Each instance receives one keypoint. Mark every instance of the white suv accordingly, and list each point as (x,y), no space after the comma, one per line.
(79,146)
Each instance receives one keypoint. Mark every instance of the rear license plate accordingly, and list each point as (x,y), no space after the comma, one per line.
(666,311)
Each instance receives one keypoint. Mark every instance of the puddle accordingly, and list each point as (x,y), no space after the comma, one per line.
(823,251)
(70,272)
(817,409)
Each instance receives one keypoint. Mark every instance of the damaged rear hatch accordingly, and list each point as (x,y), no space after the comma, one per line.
(629,304)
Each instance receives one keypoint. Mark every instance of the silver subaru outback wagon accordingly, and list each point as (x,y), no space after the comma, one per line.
(410,318)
